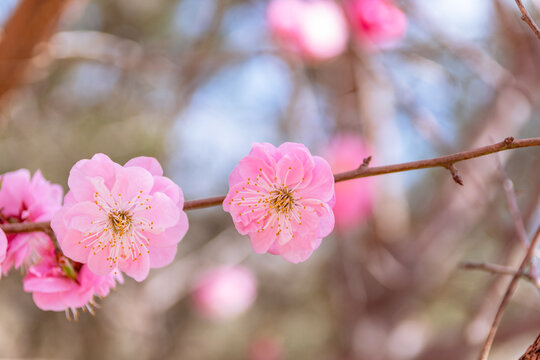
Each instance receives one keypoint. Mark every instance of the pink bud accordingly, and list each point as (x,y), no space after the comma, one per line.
(225,292)
(315,30)
(354,198)
(376,22)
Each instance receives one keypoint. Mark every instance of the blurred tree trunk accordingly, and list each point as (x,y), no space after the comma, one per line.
(32,23)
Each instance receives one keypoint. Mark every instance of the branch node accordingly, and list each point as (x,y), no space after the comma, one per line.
(508,141)
(454,172)
(365,162)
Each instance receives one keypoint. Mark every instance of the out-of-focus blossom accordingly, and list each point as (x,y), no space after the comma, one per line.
(282,198)
(376,23)
(120,217)
(58,284)
(354,198)
(225,292)
(27,199)
(315,30)
(266,349)
(3,248)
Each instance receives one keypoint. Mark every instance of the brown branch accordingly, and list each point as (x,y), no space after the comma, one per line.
(32,23)
(533,352)
(506,298)
(362,171)
(525,16)
(501,270)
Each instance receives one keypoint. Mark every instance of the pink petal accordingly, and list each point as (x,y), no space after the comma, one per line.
(161,210)
(168,187)
(49,284)
(98,262)
(261,241)
(289,171)
(12,191)
(79,180)
(132,182)
(322,184)
(82,216)
(71,247)
(161,256)
(49,302)
(170,236)
(148,163)
(3,245)
(137,269)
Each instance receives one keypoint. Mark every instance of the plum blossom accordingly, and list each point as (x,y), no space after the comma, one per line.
(27,199)
(3,248)
(376,23)
(315,30)
(354,198)
(58,284)
(224,292)
(126,218)
(282,198)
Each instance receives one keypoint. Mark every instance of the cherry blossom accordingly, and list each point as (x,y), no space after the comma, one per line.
(58,284)
(376,23)
(282,197)
(224,292)
(354,199)
(27,199)
(126,218)
(315,30)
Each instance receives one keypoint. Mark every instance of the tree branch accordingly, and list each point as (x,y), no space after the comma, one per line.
(525,16)
(32,23)
(506,298)
(362,171)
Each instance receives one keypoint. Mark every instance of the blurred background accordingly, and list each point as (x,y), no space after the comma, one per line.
(195,82)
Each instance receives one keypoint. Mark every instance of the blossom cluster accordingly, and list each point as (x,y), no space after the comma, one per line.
(318,30)
(123,220)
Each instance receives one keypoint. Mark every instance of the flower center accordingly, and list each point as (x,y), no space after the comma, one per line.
(281,200)
(120,221)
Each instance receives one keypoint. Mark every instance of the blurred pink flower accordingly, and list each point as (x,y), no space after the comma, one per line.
(315,30)
(376,23)
(354,198)
(120,217)
(266,349)
(26,199)
(57,284)
(282,198)
(225,292)
(3,248)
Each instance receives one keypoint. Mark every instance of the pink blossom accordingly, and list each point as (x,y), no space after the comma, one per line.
(376,22)
(315,30)
(120,217)
(354,198)
(58,284)
(3,248)
(25,199)
(282,198)
(225,292)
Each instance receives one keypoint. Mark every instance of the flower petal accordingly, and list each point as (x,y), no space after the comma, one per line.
(149,163)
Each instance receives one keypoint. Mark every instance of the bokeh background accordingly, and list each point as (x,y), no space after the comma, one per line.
(196,82)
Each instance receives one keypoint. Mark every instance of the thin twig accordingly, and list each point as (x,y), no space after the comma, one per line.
(525,16)
(506,298)
(360,172)
(501,270)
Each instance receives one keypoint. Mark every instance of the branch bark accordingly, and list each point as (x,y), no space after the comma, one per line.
(533,352)
(525,16)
